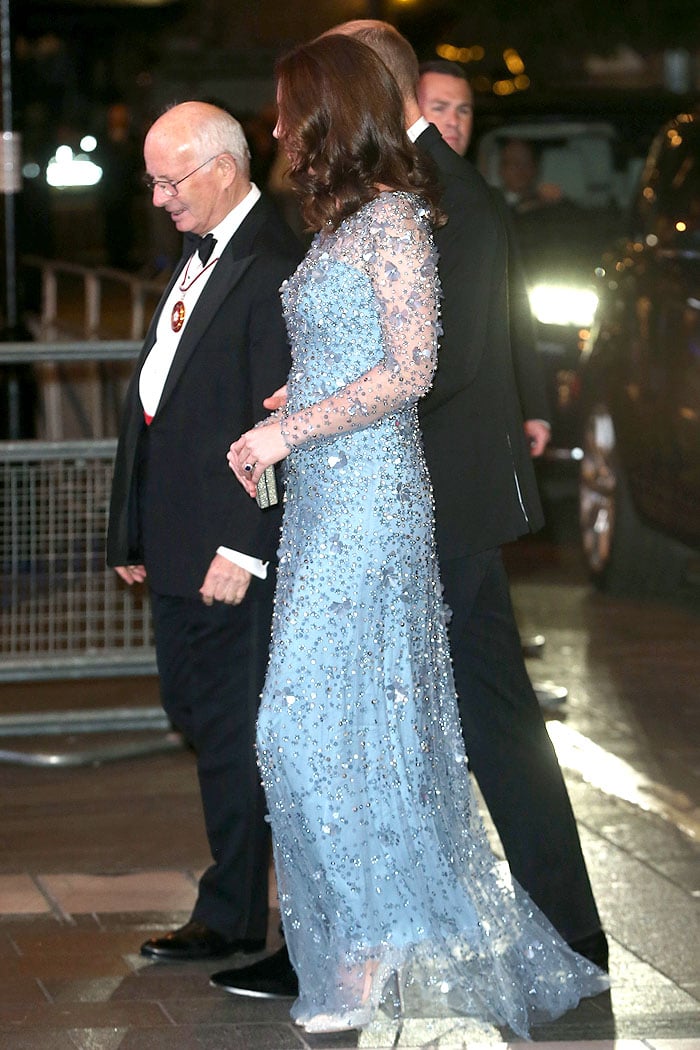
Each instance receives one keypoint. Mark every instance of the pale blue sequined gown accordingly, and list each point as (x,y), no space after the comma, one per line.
(382,863)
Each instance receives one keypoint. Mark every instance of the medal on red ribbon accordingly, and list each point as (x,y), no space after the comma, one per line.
(177,317)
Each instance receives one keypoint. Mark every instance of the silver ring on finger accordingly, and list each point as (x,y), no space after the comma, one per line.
(248,467)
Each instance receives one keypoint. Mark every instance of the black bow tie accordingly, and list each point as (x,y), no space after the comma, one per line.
(206,247)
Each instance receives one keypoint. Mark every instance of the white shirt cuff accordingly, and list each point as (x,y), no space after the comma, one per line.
(254,566)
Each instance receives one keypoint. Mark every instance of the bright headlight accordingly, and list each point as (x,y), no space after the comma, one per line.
(562,304)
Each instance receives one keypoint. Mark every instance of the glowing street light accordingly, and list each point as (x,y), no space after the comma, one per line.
(68,170)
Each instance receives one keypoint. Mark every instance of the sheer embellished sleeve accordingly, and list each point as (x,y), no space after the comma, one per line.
(394,248)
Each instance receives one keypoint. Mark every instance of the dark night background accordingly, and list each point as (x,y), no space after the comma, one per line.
(74,59)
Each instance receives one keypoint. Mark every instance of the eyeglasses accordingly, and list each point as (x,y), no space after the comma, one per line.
(169,186)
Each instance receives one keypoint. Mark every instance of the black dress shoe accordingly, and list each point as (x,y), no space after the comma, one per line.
(271,978)
(594,947)
(195,941)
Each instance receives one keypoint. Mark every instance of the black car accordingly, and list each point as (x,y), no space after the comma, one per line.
(640,474)
(575,211)
(590,149)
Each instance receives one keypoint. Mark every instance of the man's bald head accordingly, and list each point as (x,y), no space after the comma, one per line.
(203,128)
(197,158)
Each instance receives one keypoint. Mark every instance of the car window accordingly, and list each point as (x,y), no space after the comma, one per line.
(579,159)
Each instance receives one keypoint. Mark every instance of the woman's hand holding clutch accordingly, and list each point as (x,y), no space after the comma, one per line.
(254,451)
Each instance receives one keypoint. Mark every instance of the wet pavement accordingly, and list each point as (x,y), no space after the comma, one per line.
(95,859)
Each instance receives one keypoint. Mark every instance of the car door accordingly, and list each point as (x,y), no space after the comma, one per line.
(658,411)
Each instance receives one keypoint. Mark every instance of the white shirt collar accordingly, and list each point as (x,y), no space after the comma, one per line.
(225,230)
(417,128)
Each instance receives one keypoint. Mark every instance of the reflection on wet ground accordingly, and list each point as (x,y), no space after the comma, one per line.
(96,858)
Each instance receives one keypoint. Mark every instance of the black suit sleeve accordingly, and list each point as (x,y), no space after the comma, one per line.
(267,339)
(247,528)
(527,363)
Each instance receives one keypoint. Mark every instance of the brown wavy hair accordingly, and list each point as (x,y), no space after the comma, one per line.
(341,124)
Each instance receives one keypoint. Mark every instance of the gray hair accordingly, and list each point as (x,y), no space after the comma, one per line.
(219,132)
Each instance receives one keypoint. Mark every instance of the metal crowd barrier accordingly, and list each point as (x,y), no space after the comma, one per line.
(99,286)
(63,613)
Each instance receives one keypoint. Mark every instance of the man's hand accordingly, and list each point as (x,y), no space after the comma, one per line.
(276,400)
(131,573)
(224,582)
(538,435)
(550,192)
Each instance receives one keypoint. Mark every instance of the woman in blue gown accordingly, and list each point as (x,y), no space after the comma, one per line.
(390,895)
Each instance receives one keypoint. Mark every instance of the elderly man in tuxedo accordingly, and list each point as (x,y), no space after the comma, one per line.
(485,495)
(179,520)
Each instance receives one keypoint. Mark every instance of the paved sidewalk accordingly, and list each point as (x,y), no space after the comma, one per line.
(73,978)
(93,860)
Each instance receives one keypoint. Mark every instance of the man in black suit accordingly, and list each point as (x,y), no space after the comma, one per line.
(446,99)
(179,519)
(485,495)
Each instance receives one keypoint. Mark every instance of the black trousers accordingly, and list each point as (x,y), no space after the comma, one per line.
(212,662)
(509,749)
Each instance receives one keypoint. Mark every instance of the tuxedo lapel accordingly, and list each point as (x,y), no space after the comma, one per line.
(150,336)
(431,141)
(227,273)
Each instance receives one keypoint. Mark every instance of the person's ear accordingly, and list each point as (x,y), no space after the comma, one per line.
(228,167)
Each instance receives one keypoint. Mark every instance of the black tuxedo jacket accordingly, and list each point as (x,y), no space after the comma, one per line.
(174,498)
(477,455)
(529,373)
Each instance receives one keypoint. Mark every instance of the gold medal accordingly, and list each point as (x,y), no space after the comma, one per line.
(177,317)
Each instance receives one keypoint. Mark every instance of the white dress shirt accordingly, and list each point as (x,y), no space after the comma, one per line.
(186,290)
